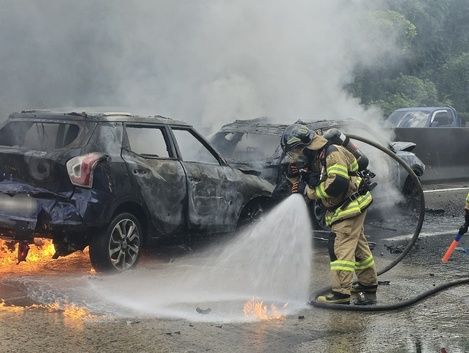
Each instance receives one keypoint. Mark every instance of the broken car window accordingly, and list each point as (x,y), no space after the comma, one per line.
(38,136)
(442,119)
(192,150)
(255,147)
(414,119)
(147,141)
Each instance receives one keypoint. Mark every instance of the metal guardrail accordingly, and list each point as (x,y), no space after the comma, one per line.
(445,151)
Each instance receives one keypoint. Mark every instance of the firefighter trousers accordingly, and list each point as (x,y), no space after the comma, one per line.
(349,253)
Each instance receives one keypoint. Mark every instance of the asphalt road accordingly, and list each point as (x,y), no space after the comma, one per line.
(438,324)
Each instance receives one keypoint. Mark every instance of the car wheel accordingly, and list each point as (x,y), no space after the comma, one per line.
(118,247)
(411,194)
(251,213)
(318,216)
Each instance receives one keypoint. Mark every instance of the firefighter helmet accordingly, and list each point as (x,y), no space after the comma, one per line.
(296,136)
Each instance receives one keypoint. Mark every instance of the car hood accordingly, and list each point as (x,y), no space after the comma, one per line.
(402,146)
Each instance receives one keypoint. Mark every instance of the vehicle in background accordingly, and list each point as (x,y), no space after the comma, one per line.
(421,117)
(116,182)
(255,144)
(440,136)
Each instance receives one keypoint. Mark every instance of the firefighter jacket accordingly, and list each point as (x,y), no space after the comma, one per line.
(467,201)
(338,188)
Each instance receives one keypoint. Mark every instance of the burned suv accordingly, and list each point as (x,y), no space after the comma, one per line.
(114,181)
(255,144)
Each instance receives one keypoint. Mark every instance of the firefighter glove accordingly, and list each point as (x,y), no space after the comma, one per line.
(313,179)
(463,229)
(298,187)
(292,170)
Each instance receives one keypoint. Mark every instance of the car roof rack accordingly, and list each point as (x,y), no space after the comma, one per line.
(30,111)
(115,113)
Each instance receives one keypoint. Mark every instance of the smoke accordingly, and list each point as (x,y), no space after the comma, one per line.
(207,62)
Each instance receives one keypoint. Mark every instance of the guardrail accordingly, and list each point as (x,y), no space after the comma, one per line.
(445,151)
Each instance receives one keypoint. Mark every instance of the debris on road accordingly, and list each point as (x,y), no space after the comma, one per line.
(395,249)
(461,249)
(435,211)
(203,311)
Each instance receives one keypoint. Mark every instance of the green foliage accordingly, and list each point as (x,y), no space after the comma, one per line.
(392,22)
(454,80)
(433,67)
(407,91)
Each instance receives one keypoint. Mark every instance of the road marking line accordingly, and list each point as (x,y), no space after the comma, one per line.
(450,189)
(422,235)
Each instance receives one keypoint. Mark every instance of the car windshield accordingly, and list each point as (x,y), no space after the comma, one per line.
(38,136)
(406,119)
(245,147)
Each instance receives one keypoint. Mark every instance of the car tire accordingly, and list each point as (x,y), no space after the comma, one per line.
(251,213)
(118,247)
(318,213)
(411,194)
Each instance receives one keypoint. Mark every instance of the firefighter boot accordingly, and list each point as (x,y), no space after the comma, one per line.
(334,298)
(365,298)
(358,287)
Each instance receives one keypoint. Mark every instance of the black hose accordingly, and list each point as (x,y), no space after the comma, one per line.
(409,246)
(395,306)
(416,180)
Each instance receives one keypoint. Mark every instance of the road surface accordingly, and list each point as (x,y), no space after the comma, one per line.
(30,323)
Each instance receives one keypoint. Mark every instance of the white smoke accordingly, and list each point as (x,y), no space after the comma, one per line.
(207,62)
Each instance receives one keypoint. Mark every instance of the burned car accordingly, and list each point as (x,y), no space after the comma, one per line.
(116,182)
(255,144)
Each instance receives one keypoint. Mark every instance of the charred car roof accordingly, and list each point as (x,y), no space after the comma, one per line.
(94,116)
(264,126)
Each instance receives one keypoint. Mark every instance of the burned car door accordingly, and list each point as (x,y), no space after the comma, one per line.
(158,174)
(210,193)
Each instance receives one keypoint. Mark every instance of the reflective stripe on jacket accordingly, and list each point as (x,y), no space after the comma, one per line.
(339,184)
(351,209)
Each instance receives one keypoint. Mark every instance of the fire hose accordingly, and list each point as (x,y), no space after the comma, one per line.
(406,250)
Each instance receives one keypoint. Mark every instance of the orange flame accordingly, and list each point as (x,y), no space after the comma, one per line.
(41,250)
(74,316)
(40,253)
(39,256)
(257,310)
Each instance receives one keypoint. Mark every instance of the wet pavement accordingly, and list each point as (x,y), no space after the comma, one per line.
(46,306)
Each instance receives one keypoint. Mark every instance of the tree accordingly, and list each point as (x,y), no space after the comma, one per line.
(407,91)
(454,81)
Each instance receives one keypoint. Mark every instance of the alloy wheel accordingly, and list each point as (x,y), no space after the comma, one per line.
(124,244)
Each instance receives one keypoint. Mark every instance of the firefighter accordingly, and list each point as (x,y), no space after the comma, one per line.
(464,228)
(339,189)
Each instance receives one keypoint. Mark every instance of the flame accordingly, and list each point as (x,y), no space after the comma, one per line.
(73,315)
(39,256)
(41,250)
(257,310)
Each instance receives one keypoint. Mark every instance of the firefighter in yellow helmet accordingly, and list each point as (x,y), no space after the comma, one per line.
(463,229)
(339,189)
